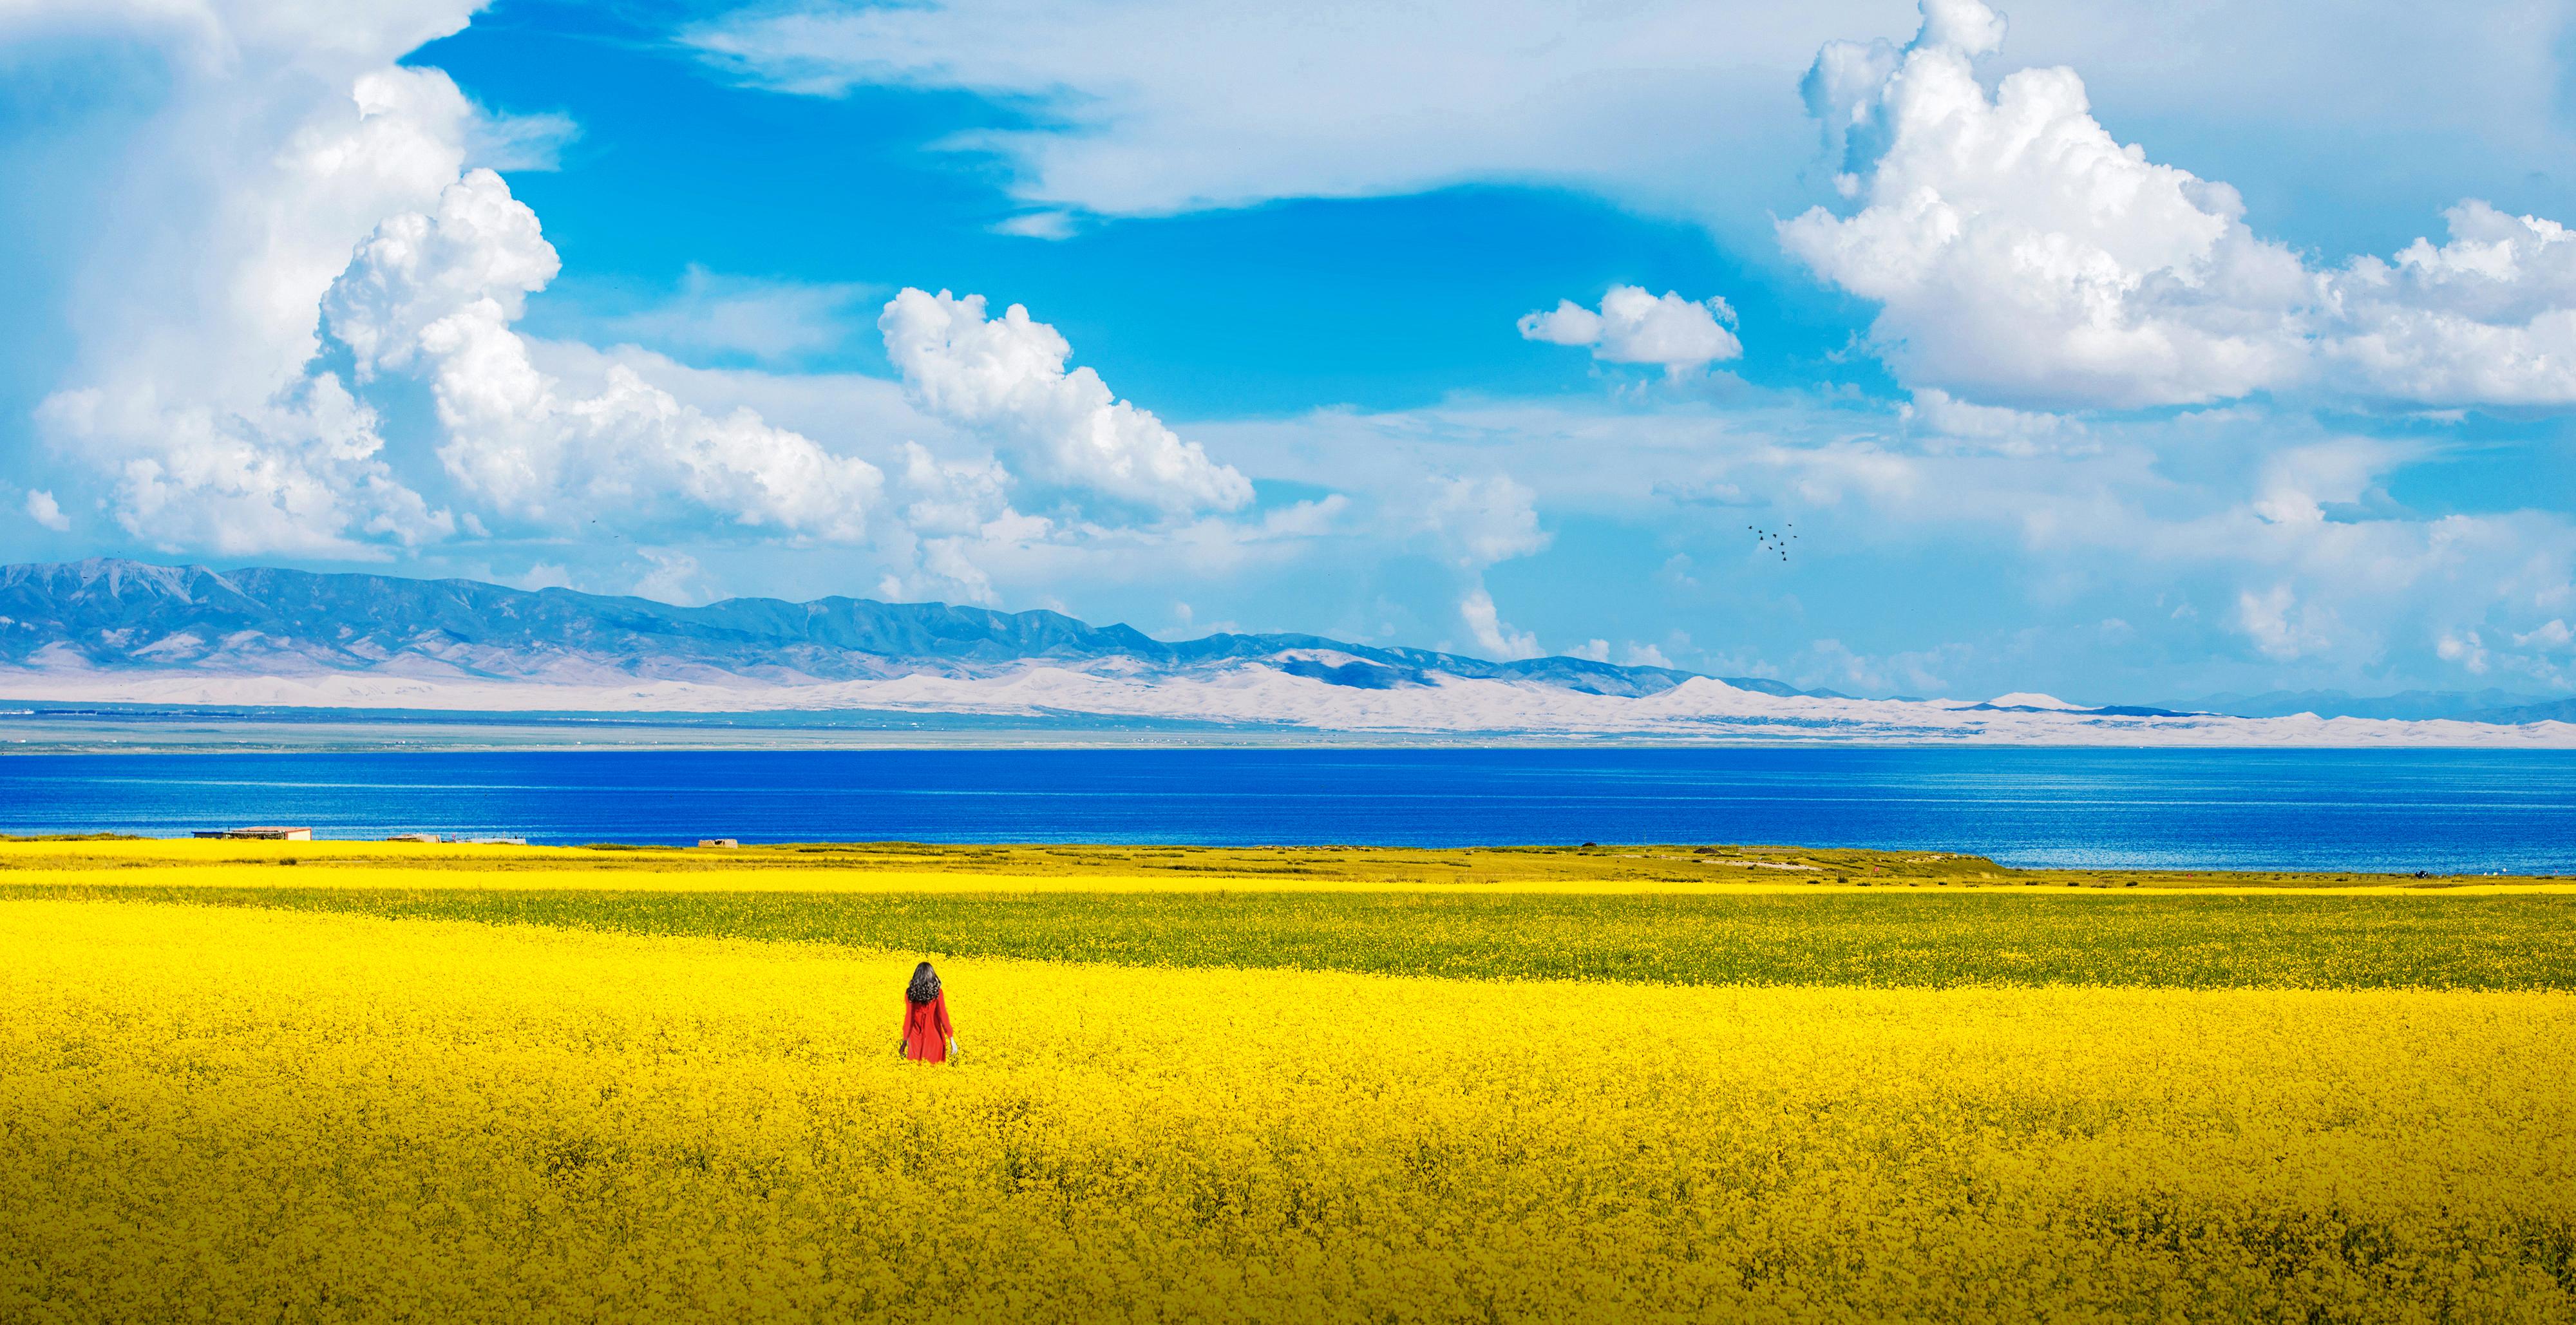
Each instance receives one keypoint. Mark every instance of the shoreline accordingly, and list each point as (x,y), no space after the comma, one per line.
(1238,706)
(145,729)
(1670,869)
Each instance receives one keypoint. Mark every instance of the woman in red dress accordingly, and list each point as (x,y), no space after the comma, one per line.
(927,1035)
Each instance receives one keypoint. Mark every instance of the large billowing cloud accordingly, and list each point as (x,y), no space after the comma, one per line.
(297,472)
(293,163)
(439,291)
(283,135)
(2488,318)
(1006,377)
(2022,255)
(196,392)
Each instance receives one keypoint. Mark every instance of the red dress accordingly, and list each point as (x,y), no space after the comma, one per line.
(926,1030)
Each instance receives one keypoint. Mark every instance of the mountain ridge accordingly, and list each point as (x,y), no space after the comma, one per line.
(114,614)
(114,631)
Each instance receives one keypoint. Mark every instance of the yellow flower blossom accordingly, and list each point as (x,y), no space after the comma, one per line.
(212,1113)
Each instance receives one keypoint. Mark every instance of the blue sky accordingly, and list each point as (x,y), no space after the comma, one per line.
(2131,352)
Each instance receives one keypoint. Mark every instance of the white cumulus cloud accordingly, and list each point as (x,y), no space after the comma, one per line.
(439,290)
(2489,317)
(2464,649)
(1491,633)
(1632,326)
(2023,255)
(299,472)
(44,510)
(2020,253)
(196,396)
(201,401)
(1005,377)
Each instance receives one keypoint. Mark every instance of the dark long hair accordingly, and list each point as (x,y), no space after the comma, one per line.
(925,985)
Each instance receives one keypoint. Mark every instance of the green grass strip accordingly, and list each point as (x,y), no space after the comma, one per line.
(1884,940)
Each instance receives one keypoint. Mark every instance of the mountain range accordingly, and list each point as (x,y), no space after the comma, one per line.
(105,614)
(107,630)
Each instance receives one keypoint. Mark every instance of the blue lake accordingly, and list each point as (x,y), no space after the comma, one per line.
(2443,810)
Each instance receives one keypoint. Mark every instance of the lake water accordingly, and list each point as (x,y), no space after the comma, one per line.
(2441,810)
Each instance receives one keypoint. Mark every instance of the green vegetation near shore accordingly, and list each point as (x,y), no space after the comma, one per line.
(1618,863)
(1897,939)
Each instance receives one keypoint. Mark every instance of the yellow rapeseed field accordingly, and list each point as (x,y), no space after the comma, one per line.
(237,1114)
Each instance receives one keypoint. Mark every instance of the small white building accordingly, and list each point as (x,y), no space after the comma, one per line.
(718,842)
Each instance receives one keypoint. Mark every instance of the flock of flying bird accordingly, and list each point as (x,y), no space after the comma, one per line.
(1776,541)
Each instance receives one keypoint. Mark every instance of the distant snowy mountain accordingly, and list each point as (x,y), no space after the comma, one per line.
(2024,699)
(103,631)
